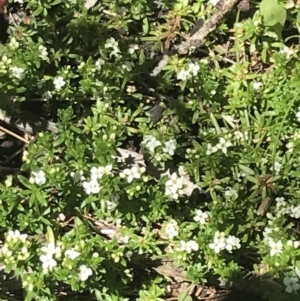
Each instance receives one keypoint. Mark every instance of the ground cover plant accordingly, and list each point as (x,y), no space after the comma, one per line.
(170,154)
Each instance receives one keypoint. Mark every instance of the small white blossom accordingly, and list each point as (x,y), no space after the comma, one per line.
(200,216)
(219,242)
(276,247)
(194,68)
(295,211)
(174,186)
(133,48)
(280,202)
(189,246)
(277,167)
(72,254)
(43,53)
(134,172)
(51,249)
(38,177)
(77,176)
(84,273)
(59,82)
(150,142)
(61,217)
(183,75)
(91,187)
(231,193)
(257,85)
(48,262)
(99,63)
(98,172)
(16,235)
(170,147)
(14,44)
(223,145)
(131,89)
(112,43)
(172,229)
(211,149)
(128,66)
(17,72)
(287,51)
(291,284)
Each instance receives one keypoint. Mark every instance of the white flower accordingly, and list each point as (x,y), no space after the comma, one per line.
(133,48)
(287,51)
(38,177)
(213,2)
(43,53)
(150,142)
(189,246)
(131,89)
(77,176)
(174,186)
(232,242)
(113,202)
(298,115)
(277,167)
(219,243)
(295,211)
(223,144)
(211,149)
(98,172)
(48,263)
(291,284)
(84,273)
(231,193)
(280,202)
(61,217)
(112,43)
(133,173)
(72,254)
(183,75)
(91,187)
(51,249)
(193,68)
(276,247)
(200,216)
(257,85)
(59,82)
(172,229)
(99,63)
(14,44)
(17,72)
(16,235)
(170,147)
(128,66)
(47,95)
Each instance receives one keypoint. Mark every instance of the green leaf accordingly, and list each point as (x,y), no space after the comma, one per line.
(145,25)
(247,170)
(184,297)
(273,13)
(50,235)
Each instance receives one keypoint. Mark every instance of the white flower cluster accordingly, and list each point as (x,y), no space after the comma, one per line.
(38,177)
(170,147)
(17,72)
(84,272)
(171,229)
(48,262)
(16,236)
(222,145)
(135,172)
(99,63)
(189,246)
(192,70)
(201,217)
(92,186)
(174,186)
(112,44)
(221,242)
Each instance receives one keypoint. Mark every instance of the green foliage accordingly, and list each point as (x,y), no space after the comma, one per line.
(92,223)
